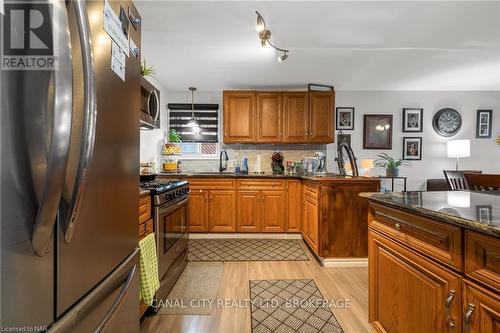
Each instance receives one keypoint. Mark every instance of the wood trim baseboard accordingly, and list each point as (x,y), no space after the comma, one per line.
(240,235)
(344,262)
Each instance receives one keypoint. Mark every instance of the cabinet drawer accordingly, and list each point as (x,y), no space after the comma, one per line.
(144,209)
(209,184)
(261,184)
(438,240)
(482,258)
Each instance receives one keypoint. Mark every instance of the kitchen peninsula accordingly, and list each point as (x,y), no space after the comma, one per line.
(441,250)
(327,210)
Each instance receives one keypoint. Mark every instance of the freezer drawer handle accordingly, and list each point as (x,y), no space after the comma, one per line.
(90,117)
(57,156)
(118,301)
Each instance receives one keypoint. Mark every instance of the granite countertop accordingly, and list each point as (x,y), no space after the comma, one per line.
(328,177)
(479,211)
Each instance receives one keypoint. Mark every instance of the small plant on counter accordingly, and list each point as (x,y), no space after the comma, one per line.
(390,164)
(498,140)
(173,136)
(173,144)
(147,70)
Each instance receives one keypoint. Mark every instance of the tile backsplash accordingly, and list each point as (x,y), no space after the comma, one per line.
(290,152)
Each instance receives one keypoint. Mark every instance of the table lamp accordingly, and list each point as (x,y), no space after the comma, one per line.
(457,149)
(366,165)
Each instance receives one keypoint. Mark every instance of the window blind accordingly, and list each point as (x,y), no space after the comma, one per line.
(207,116)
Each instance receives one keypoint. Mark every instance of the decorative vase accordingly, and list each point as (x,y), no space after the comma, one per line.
(392,172)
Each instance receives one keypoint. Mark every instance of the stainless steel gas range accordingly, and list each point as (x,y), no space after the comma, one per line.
(169,199)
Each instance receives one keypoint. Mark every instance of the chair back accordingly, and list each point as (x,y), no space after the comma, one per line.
(483,182)
(456,180)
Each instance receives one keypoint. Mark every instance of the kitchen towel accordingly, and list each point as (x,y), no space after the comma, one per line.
(149,268)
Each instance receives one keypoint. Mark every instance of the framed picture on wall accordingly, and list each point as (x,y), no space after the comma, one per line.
(377,131)
(345,118)
(483,124)
(412,149)
(413,120)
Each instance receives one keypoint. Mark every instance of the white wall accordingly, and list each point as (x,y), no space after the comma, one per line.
(485,154)
(151,140)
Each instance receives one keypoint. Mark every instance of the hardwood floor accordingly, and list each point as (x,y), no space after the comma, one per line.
(337,284)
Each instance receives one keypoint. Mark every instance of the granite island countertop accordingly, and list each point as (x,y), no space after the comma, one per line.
(478,211)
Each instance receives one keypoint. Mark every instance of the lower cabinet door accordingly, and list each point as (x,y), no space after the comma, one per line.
(409,293)
(248,214)
(273,211)
(311,221)
(222,210)
(294,206)
(481,309)
(198,211)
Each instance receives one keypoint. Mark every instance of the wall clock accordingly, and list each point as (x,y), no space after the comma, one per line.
(447,122)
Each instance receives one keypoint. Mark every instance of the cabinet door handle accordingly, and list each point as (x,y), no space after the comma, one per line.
(397,226)
(449,299)
(468,315)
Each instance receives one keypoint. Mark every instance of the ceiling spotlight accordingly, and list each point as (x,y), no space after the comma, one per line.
(265,37)
(261,25)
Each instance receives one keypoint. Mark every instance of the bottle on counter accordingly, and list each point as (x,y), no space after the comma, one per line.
(244,165)
(237,168)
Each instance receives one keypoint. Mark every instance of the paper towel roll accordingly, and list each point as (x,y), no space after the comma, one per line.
(258,164)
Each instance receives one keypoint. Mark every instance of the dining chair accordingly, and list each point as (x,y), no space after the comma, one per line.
(456,180)
(483,182)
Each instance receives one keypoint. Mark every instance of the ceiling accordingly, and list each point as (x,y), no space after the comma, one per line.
(353,45)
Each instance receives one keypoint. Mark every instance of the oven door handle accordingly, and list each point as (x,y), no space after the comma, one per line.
(173,208)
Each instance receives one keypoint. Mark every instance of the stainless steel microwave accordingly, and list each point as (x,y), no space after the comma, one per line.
(150,105)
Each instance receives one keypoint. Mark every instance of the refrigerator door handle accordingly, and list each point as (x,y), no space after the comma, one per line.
(118,301)
(90,116)
(57,153)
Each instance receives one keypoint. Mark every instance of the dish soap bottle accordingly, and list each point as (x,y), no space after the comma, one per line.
(244,165)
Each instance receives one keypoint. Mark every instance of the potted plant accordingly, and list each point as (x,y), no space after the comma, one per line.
(173,144)
(146,70)
(390,164)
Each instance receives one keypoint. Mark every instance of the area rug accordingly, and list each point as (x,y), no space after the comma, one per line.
(195,290)
(289,306)
(246,250)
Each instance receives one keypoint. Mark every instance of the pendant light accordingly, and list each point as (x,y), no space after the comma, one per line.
(193,123)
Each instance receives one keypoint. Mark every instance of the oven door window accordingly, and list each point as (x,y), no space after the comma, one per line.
(174,226)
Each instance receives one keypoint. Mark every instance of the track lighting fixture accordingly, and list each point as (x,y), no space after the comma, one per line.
(265,37)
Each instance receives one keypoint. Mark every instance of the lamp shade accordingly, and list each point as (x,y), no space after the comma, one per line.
(366,164)
(458,148)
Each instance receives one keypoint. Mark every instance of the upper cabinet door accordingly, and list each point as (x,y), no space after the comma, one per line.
(296,117)
(322,116)
(269,117)
(239,117)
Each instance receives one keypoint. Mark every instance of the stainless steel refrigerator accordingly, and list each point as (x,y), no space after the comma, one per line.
(69,178)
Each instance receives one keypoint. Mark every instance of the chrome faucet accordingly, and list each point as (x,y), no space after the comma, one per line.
(223,167)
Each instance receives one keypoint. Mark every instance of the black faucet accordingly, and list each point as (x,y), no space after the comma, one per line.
(221,167)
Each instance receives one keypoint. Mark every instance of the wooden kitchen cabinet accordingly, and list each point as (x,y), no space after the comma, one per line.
(310,221)
(248,211)
(269,117)
(239,116)
(481,309)
(273,211)
(294,205)
(261,211)
(322,116)
(198,211)
(408,292)
(222,210)
(296,117)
